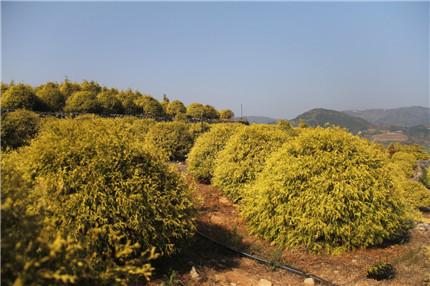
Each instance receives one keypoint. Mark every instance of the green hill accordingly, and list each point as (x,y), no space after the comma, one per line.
(261,120)
(321,116)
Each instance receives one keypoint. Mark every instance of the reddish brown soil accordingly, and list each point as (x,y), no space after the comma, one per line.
(219,217)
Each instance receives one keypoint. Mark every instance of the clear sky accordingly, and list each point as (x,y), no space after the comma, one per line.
(277,59)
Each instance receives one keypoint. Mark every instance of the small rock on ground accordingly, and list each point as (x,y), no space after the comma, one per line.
(194,274)
(264,282)
(309,281)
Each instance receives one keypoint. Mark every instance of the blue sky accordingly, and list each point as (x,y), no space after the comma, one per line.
(277,59)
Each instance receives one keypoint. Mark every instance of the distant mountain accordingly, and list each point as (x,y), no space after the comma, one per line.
(321,116)
(404,116)
(261,119)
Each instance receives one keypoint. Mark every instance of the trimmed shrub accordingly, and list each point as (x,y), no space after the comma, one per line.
(406,162)
(95,183)
(32,254)
(201,159)
(18,128)
(67,88)
(195,110)
(150,106)
(173,138)
(51,97)
(109,103)
(91,86)
(83,101)
(20,97)
(415,193)
(175,107)
(211,112)
(226,114)
(127,99)
(327,190)
(244,156)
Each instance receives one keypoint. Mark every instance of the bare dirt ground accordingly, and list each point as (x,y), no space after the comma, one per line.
(219,218)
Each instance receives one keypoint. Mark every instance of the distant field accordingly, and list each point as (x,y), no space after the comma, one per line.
(390,136)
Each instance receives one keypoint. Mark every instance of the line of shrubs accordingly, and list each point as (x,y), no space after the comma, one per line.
(90,97)
(319,188)
(91,200)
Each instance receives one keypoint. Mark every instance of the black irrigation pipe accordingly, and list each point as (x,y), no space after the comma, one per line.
(265,262)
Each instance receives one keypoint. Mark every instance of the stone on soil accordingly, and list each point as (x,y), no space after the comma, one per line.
(264,282)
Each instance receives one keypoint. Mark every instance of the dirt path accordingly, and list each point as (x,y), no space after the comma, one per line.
(219,218)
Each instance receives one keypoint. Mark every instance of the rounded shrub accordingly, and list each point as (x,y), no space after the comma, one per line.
(326,190)
(174,138)
(415,194)
(51,96)
(226,114)
(20,97)
(31,253)
(150,106)
(127,99)
(83,101)
(201,159)
(18,128)
(211,112)
(406,162)
(99,185)
(195,110)
(109,103)
(244,156)
(175,107)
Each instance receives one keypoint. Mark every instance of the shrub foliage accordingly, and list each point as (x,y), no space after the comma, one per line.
(174,138)
(18,128)
(201,159)
(108,197)
(244,156)
(326,190)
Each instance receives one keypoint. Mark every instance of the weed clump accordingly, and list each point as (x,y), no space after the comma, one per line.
(381,271)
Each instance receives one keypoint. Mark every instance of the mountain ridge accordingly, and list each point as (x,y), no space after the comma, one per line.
(403,116)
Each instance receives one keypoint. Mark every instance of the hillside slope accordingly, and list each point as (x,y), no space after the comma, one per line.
(404,116)
(321,116)
(261,120)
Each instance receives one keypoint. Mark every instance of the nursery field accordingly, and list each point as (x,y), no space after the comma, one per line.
(219,218)
(127,201)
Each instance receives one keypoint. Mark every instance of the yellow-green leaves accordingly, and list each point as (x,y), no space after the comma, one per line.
(95,182)
(201,159)
(327,190)
(244,156)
